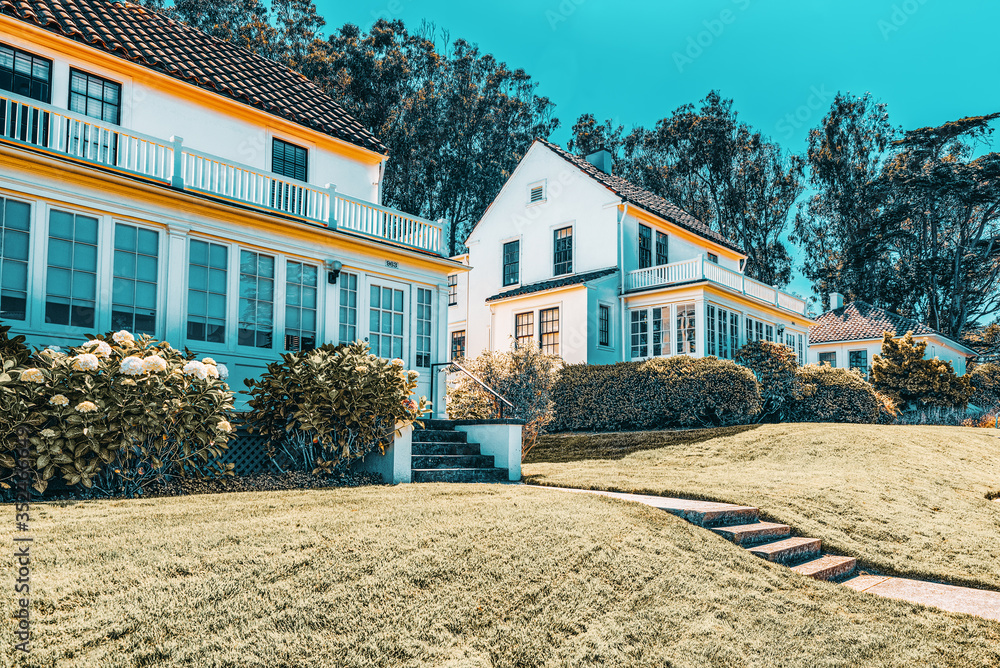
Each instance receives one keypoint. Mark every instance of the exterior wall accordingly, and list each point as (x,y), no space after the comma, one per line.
(604,292)
(574,320)
(458,312)
(936,347)
(680,247)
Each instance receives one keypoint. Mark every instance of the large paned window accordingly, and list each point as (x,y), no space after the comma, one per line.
(511,263)
(858,359)
(645,247)
(603,325)
(802,349)
(256,300)
(95,96)
(660,340)
(524,328)
(721,340)
(385,324)
(687,336)
(289,160)
(136,269)
(661,249)
(301,284)
(639,330)
(458,345)
(548,327)
(758,330)
(734,333)
(423,327)
(829,359)
(710,340)
(25,74)
(15,226)
(348,308)
(207,276)
(563,255)
(71,284)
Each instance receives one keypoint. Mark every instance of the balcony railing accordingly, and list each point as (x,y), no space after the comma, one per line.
(700,269)
(87,140)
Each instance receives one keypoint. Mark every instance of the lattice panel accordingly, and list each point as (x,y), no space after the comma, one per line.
(247,452)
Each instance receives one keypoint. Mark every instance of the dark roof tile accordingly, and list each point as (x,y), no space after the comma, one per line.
(560,282)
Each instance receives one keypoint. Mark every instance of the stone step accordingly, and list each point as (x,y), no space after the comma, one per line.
(709,514)
(460,475)
(444,448)
(827,567)
(757,532)
(439,435)
(788,550)
(452,462)
(445,425)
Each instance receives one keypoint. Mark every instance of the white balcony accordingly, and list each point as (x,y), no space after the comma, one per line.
(86,140)
(700,269)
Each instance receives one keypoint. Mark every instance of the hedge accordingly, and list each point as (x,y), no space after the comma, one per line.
(826,394)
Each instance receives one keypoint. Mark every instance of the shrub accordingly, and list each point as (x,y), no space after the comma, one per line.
(119,414)
(826,394)
(774,365)
(982,422)
(902,373)
(985,382)
(324,408)
(523,375)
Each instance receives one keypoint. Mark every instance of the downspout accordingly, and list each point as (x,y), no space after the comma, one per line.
(621,271)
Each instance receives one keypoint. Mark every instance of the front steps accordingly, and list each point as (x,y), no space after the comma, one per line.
(443,454)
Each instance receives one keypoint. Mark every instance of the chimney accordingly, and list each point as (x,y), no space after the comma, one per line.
(601,159)
(836,300)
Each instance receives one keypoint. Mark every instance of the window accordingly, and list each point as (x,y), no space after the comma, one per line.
(348,308)
(207,277)
(95,96)
(858,359)
(563,256)
(603,325)
(511,263)
(289,160)
(686,329)
(452,289)
(25,74)
(301,285)
(769,333)
(423,327)
(734,333)
(802,350)
(661,249)
(458,345)
(548,321)
(256,300)
(710,340)
(658,329)
(536,193)
(645,247)
(385,323)
(524,328)
(71,284)
(830,359)
(758,330)
(640,333)
(15,227)
(712,257)
(133,290)
(721,340)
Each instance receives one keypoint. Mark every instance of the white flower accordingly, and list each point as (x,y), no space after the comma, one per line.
(32,376)
(49,433)
(397,362)
(85,362)
(195,368)
(211,371)
(224,426)
(155,364)
(53,351)
(59,400)
(86,407)
(132,366)
(208,360)
(414,374)
(361,368)
(123,338)
(100,348)
(128,381)
(223,371)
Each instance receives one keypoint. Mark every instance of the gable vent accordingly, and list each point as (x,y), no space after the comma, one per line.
(537,194)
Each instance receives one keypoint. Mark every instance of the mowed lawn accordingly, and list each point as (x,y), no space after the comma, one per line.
(445,575)
(904,500)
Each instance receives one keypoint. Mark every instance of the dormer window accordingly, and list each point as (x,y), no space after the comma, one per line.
(536,193)
(26,74)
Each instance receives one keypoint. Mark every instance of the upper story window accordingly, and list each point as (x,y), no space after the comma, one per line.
(452,289)
(290,160)
(25,74)
(94,96)
(712,257)
(563,251)
(661,249)
(511,263)
(15,226)
(536,193)
(645,247)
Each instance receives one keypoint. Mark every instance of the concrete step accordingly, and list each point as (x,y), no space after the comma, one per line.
(444,448)
(757,532)
(452,462)
(446,425)
(788,550)
(460,475)
(709,514)
(827,567)
(439,435)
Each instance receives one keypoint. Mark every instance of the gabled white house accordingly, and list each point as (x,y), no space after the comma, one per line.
(156,179)
(598,270)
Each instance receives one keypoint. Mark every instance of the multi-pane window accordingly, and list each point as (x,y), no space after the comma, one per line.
(720,341)
(603,325)
(71,283)
(661,249)
(524,328)
(563,255)
(458,345)
(290,160)
(207,276)
(658,331)
(15,226)
(858,359)
(734,332)
(25,74)
(133,290)
(256,300)
(802,349)
(686,329)
(301,284)
(423,327)
(348,308)
(548,328)
(712,257)
(95,96)
(759,331)
(511,263)
(639,333)
(385,324)
(645,247)
(710,348)
(452,289)
(829,359)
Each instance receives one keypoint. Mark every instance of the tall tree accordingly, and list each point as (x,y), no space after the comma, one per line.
(590,136)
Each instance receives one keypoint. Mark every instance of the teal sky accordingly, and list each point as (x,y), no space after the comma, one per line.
(780,60)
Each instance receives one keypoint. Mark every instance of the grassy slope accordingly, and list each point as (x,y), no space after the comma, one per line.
(446,575)
(902,499)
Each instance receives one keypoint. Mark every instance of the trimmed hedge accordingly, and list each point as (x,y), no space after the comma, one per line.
(826,394)
(985,381)
(655,394)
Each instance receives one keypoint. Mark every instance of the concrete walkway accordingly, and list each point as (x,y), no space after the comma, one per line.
(979,602)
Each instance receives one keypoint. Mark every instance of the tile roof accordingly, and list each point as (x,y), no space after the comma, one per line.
(562,281)
(860,321)
(167,46)
(644,199)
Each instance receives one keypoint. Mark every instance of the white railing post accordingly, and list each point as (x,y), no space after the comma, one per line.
(442,241)
(177,178)
(331,214)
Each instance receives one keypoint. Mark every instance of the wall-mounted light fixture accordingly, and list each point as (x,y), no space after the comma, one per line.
(781,331)
(333,268)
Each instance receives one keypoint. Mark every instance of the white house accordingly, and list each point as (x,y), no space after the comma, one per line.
(159,180)
(598,270)
(850,336)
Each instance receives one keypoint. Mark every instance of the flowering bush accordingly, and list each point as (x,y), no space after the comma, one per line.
(324,408)
(120,413)
(826,394)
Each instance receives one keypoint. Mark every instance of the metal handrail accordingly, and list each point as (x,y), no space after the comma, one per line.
(500,398)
